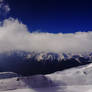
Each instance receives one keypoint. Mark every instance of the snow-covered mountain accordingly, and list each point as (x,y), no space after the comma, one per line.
(72,80)
(44,56)
(29,63)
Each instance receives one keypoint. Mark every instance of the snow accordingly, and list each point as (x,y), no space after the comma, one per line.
(71,80)
(60,89)
(21,90)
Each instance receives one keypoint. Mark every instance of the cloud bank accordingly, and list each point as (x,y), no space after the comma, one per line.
(15,36)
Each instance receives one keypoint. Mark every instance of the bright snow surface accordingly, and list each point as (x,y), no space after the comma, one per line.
(71,80)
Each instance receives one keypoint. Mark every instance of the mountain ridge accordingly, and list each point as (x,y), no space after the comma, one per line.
(30,63)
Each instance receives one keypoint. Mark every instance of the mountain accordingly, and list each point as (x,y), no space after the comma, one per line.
(71,80)
(31,63)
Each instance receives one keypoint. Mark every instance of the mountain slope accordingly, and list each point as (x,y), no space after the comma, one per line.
(71,80)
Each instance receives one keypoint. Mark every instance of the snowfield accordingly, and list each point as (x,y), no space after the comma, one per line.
(60,89)
(71,80)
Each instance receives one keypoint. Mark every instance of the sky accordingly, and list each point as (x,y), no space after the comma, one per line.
(53,16)
(45,26)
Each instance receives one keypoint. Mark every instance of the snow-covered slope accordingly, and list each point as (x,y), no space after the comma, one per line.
(87,88)
(71,80)
(75,76)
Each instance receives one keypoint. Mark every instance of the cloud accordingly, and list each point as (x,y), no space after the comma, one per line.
(4,8)
(15,36)
(1,1)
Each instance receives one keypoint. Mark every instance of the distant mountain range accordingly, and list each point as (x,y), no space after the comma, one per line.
(30,63)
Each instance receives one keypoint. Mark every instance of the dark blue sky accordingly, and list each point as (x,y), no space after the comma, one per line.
(53,15)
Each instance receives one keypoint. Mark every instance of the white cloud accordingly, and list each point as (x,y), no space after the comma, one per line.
(1,1)
(4,8)
(15,36)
